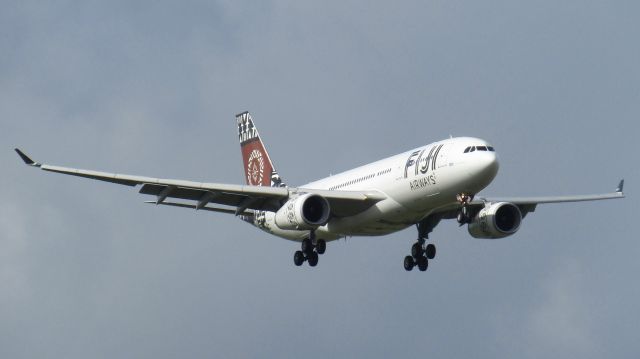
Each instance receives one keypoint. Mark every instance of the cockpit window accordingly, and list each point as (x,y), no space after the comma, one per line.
(479,148)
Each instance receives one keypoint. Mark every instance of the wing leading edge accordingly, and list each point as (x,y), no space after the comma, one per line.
(242,197)
(528,204)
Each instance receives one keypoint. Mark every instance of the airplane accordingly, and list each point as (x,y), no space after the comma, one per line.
(419,188)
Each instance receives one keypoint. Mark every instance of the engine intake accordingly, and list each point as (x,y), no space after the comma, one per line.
(496,220)
(308,211)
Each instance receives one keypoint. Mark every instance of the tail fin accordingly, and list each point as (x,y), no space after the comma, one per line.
(258,168)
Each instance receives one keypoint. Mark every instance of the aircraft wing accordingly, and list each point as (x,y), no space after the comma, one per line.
(239,196)
(528,204)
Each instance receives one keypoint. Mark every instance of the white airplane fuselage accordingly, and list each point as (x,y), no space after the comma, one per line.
(417,183)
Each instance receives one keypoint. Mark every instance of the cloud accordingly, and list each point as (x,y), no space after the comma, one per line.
(151,88)
(13,280)
(563,323)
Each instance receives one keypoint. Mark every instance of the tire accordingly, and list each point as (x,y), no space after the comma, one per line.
(298,258)
(408,263)
(321,247)
(416,250)
(423,263)
(431,251)
(313,259)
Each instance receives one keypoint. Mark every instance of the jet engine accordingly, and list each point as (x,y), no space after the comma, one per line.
(496,220)
(305,212)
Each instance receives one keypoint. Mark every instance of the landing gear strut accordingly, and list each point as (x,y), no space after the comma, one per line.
(463,214)
(421,252)
(310,249)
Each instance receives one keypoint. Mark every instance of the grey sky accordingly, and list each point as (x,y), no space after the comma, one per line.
(151,88)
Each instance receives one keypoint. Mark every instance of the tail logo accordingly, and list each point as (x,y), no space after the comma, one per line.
(255,168)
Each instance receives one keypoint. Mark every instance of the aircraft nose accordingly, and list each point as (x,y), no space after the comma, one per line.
(485,167)
(490,165)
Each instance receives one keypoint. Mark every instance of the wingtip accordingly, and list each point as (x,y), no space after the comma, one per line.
(620,188)
(26,158)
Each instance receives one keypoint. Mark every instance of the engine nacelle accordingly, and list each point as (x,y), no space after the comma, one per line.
(308,211)
(496,220)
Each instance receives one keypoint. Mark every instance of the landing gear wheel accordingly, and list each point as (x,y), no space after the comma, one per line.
(313,259)
(423,263)
(408,263)
(321,247)
(430,251)
(416,250)
(307,246)
(298,258)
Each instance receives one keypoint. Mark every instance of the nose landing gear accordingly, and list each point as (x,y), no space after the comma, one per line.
(464,216)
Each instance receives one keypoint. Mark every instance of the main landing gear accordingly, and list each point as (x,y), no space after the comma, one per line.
(420,255)
(421,252)
(310,249)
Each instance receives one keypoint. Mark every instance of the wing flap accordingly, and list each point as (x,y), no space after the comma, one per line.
(256,201)
(206,208)
(188,193)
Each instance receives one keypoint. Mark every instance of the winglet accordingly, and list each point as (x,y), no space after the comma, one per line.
(26,159)
(620,186)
